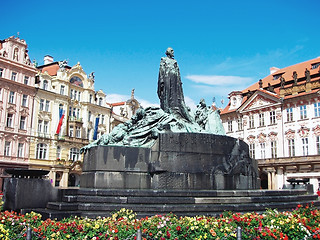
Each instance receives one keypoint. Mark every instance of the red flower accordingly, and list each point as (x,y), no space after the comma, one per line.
(168,234)
(178,228)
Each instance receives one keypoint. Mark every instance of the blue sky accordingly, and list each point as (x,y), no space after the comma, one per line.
(220,46)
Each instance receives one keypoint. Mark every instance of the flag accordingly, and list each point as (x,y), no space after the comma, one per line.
(96,129)
(61,115)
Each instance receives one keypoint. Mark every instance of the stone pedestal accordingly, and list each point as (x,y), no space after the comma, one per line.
(176,161)
(28,193)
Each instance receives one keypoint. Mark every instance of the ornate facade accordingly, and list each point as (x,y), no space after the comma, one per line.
(68,114)
(17,91)
(279,118)
(123,111)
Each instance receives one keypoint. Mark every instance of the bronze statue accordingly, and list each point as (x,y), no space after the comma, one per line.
(170,88)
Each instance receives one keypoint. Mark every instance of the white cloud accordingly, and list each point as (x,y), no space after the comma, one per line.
(145,103)
(114,98)
(219,80)
(190,103)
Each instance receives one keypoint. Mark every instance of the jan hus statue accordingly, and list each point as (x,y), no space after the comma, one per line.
(170,88)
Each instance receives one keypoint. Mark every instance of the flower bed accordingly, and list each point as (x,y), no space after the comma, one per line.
(299,223)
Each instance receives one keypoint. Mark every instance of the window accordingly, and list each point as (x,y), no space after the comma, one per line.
(41,104)
(11,97)
(289,114)
(88,134)
(7,148)
(272,117)
(240,125)
(229,126)
(90,98)
(291,147)
(71,131)
(9,120)
(252,151)
(41,152)
(102,119)
(318,144)
(58,152)
(273,149)
(79,96)
(305,146)
(14,76)
(317,109)
(26,80)
(71,93)
(315,65)
(261,119)
(22,122)
(251,121)
(100,101)
(62,90)
(1,72)
(303,112)
(45,85)
(20,150)
(47,106)
(24,100)
(40,123)
(75,94)
(263,150)
(78,132)
(74,154)
(74,112)
(89,116)
(45,126)
(60,110)
(78,113)
(277,76)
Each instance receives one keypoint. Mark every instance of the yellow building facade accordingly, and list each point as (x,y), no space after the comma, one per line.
(67,114)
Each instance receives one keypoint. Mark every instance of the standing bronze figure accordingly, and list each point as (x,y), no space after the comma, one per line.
(170,88)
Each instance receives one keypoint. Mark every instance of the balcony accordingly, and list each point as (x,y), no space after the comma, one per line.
(75,119)
(43,135)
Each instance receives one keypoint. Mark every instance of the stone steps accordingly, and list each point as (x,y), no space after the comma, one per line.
(103,202)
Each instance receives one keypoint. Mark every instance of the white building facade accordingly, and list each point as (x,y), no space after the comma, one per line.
(279,118)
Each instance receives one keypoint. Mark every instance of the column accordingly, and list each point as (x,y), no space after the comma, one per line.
(52,176)
(280,177)
(64,179)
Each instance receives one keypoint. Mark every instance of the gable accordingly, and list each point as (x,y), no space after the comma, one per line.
(259,101)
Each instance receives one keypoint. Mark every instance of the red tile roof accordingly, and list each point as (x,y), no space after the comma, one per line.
(286,73)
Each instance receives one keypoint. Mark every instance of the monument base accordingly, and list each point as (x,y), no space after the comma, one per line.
(191,161)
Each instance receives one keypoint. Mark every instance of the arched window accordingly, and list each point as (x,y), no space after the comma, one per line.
(74,154)
(45,85)
(100,101)
(41,152)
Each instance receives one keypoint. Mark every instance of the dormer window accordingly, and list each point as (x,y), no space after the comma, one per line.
(277,76)
(315,65)
(45,84)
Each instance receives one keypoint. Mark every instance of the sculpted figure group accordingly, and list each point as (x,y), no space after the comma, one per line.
(173,115)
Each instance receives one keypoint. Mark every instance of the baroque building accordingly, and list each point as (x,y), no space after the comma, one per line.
(17,91)
(68,114)
(123,111)
(279,118)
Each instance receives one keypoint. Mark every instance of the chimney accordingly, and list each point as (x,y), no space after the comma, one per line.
(47,59)
(273,70)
